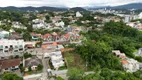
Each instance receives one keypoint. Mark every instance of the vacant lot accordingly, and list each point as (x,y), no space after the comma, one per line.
(74,60)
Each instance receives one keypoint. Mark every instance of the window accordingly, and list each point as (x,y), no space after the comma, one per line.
(16,46)
(15,50)
(13,66)
(6,51)
(1,46)
(21,49)
(21,46)
(6,68)
(6,46)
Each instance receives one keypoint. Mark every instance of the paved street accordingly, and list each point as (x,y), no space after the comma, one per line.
(45,67)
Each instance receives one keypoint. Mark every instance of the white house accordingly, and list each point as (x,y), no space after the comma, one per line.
(131,24)
(140,15)
(127,18)
(11,45)
(119,54)
(18,25)
(78,14)
(4,34)
(139,53)
(56,59)
(62,24)
(37,24)
(130,65)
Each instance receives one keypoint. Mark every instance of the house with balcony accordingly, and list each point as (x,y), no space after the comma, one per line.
(11,45)
(56,59)
(117,53)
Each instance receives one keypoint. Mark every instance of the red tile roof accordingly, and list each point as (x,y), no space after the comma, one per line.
(35,34)
(9,63)
(66,35)
(124,61)
(46,35)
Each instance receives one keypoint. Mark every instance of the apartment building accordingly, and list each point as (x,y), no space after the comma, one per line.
(11,45)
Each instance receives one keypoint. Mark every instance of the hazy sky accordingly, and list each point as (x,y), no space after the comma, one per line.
(67,3)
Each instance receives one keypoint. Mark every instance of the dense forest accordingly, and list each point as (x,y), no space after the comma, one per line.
(96,51)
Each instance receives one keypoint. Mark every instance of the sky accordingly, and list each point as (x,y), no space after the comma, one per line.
(65,3)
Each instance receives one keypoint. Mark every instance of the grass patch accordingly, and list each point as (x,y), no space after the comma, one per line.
(33,72)
(74,60)
(62,68)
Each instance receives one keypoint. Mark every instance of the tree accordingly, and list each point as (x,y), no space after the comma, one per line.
(29,68)
(27,36)
(47,17)
(10,76)
(39,67)
(75,74)
(59,78)
(27,55)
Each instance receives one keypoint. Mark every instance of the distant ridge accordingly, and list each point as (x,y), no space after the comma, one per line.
(126,6)
(130,6)
(29,8)
(78,9)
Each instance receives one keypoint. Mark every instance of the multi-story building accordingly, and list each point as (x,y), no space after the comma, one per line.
(11,45)
(140,15)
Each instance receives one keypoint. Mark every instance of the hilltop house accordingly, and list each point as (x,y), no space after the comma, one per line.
(78,14)
(117,53)
(130,65)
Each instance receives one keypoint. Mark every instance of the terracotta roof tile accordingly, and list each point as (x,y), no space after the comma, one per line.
(9,63)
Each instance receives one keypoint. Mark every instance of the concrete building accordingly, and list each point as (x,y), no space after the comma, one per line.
(11,45)
(56,59)
(139,53)
(117,53)
(18,25)
(78,14)
(130,65)
(3,34)
(127,18)
(140,15)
